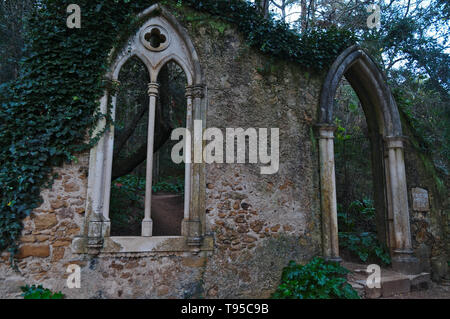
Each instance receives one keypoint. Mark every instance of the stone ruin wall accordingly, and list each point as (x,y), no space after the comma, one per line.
(259,222)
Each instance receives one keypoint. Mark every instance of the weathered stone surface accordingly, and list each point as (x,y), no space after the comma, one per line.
(12,284)
(61,243)
(57,253)
(45,221)
(41,238)
(71,187)
(395,285)
(34,251)
(372,293)
(28,239)
(163,290)
(194,262)
(58,203)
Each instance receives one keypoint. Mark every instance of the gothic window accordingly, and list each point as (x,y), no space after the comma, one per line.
(160,88)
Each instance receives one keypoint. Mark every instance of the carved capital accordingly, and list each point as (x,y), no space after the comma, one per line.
(153,89)
(195,91)
(189,91)
(393,142)
(325,131)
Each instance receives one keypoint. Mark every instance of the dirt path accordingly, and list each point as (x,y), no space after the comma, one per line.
(167,214)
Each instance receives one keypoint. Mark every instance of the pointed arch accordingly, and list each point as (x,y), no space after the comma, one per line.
(387,142)
(370,86)
(179,61)
(124,59)
(182,50)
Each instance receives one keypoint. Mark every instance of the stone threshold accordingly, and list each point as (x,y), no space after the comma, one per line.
(392,282)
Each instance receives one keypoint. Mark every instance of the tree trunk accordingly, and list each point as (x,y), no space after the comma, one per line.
(263,6)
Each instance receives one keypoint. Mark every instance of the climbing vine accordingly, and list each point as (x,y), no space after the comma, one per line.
(46,113)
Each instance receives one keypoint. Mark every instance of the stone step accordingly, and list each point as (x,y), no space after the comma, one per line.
(395,283)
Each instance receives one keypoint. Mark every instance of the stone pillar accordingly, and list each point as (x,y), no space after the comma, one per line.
(147,223)
(188,152)
(97,210)
(192,227)
(403,259)
(330,241)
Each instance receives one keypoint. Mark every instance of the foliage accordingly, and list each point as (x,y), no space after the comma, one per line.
(316,49)
(127,204)
(364,245)
(169,184)
(316,280)
(38,292)
(360,215)
(46,112)
(13,15)
(357,233)
(433,147)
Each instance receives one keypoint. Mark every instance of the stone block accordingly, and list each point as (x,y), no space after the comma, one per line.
(33,251)
(12,284)
(420,281)
(395,285)
(45,221)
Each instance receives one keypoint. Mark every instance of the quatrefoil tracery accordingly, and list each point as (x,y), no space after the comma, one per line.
(155,38)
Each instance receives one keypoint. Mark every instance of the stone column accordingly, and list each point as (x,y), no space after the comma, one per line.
(330,241)
(188,154)
(403,259)
(193,226)
(147,223)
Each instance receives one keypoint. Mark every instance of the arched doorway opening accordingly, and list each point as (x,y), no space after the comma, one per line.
(387,157)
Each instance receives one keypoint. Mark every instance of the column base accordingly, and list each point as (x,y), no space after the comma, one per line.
(95,238)
(192,230)
(147,228)
(405,262)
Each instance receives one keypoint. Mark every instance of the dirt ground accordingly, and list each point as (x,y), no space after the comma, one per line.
(436,291)
(167,214)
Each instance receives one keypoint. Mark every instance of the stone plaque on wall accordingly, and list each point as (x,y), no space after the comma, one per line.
(420,199)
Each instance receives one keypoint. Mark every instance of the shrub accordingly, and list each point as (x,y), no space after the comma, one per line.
(316,280)
(357,233)
(170,184)
(365,246)
(39,292)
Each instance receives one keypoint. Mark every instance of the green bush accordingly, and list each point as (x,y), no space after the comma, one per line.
(316,280)
(357,233)
(39,292)
(365,246)
(170,184)
(127,204)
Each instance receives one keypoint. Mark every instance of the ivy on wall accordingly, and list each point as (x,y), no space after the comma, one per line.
(46,113)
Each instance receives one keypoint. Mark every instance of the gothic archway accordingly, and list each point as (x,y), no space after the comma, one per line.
(387,143)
